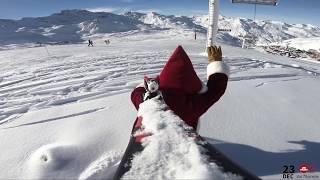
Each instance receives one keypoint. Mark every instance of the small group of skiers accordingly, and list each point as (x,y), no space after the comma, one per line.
(107,41)
(90,42)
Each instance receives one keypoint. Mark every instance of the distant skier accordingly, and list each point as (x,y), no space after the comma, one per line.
(107,41)
(90,42)
(181,88)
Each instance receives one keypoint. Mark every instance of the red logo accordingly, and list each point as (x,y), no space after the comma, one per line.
(304,168)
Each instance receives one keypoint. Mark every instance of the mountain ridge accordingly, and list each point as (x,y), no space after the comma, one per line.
(77,25)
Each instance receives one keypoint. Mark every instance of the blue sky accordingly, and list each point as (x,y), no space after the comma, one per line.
(291,11)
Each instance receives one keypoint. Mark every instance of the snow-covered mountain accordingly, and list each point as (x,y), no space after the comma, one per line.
(68,25)
(77,25)
(165,22)
(265,31)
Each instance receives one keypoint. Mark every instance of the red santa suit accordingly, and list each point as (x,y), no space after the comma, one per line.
(183,91)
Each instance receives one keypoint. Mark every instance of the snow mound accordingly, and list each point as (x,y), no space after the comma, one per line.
(170,153)
(49,160)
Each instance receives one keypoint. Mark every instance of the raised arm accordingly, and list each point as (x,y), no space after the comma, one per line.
(217,74)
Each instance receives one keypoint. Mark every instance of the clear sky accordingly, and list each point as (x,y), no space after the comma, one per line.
(291,11)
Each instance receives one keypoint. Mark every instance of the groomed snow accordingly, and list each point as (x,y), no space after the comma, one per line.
(68,115)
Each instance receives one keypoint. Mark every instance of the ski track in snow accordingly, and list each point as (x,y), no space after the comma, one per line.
(269,72)
(70,78)
(67,79)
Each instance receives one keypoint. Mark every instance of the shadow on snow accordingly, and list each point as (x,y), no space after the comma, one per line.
(264,163)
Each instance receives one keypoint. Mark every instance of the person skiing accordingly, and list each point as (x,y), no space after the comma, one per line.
(90,42)
(182,90)
(179,87)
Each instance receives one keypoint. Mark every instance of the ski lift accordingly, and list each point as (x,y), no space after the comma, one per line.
(214,16)
(261,2)
(213,22)
(255,2)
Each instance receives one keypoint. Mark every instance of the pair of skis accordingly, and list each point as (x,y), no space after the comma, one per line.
(213,154)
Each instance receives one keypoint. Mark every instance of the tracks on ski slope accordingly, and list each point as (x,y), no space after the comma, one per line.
(38,81)
(46,82)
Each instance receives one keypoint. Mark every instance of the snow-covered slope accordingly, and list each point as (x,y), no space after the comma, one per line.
(67,114)
(77,25)
(303,43)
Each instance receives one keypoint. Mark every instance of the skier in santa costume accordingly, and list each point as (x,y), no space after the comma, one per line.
(181,88)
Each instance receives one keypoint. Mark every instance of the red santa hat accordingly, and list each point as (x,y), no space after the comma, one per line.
(178,75)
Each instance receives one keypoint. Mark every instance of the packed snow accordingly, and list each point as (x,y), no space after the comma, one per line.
(65,110)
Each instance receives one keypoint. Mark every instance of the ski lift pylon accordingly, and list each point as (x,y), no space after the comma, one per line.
(213,22)
(261,2)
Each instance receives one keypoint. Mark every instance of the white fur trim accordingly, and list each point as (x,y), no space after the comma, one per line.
(217,67)
(203,89)
(140,85)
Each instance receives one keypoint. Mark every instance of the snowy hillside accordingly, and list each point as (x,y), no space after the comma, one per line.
(303,43)
(77,25)
(265,31)
(68,25)
(165,22)
(66,113)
